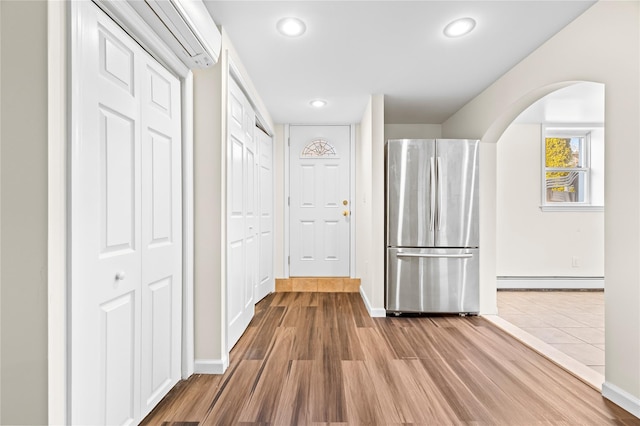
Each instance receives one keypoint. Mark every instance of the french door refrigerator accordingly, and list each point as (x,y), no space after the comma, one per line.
(432,226)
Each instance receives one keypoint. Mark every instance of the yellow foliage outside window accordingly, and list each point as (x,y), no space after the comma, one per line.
(558,153)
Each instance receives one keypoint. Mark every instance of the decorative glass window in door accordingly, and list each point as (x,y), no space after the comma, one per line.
(318,148)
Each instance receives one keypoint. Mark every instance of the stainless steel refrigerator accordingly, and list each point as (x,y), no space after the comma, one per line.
(432,226)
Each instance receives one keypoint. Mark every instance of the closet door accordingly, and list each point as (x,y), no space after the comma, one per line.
(242,214)
(125,225)
(106,227)
(266,281)
(161,244)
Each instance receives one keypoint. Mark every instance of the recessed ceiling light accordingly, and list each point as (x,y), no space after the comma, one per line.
(459,27)
(291,27)
(318,103)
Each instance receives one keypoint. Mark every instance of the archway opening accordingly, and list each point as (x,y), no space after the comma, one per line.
(550,224)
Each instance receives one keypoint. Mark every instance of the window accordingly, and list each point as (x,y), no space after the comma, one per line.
(319,148)
(566,169)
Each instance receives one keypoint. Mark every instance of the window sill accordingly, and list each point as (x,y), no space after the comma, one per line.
(572,208)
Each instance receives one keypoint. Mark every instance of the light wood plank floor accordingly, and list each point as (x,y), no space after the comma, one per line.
(318,358)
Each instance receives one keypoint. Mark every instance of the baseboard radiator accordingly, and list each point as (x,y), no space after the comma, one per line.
(550,283)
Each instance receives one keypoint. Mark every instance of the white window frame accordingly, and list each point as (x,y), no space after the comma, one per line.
(567,131)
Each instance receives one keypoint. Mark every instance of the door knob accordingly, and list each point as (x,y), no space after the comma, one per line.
(345,213)
(345,202)
(120,276)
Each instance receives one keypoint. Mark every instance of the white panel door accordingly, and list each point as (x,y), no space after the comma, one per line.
(111,222)
(320,202)
(161,245)
(242,213)
(266,280)
(106,231)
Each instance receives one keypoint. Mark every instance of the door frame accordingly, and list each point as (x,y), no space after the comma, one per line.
(352,194)
(63,26)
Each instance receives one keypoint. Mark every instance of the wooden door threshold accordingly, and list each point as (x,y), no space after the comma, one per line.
(318,284)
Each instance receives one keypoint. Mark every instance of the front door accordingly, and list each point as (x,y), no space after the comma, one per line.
(320,201)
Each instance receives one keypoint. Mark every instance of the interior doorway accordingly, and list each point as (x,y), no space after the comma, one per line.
(550,224)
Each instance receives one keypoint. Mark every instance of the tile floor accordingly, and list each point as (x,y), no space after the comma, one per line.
(570,321)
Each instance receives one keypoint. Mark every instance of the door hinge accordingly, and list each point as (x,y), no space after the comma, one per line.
(288,260)
(289,201)
(289,141)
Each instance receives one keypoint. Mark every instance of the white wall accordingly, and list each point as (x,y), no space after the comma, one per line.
(412,131)
(378,249)
(601,45)
(23,201)
(530,242)
(208,214)
(487,212)
(363,200)
(597,167)
(210,100)
(279,200)
(370,250)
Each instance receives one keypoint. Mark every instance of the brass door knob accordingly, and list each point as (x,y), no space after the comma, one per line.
(345,202)
(345,213)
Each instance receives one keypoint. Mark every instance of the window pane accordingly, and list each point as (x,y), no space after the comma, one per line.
(565,152)
(566,187)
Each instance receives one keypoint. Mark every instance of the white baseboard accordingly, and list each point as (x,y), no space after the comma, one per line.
(373,312)
(211,366)
(622,398)
(554,283)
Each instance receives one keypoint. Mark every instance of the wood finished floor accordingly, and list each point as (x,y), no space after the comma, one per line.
(318,358)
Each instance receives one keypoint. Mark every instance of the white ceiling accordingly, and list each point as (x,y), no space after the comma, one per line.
(356,48)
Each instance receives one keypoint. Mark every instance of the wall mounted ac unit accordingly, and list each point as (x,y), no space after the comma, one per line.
(185,26)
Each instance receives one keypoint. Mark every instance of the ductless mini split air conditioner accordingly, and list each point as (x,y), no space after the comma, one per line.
(186,27)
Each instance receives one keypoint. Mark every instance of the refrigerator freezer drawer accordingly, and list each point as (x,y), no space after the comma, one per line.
(432,280)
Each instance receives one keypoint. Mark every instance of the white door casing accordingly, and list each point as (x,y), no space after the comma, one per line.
(320,202)
(125,228)
(266,280)
(242,213)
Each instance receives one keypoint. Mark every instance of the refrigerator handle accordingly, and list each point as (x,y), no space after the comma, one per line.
(439,204)
(435,255)
(432,193)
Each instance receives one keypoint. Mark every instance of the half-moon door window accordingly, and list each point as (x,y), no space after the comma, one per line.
(319,148)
